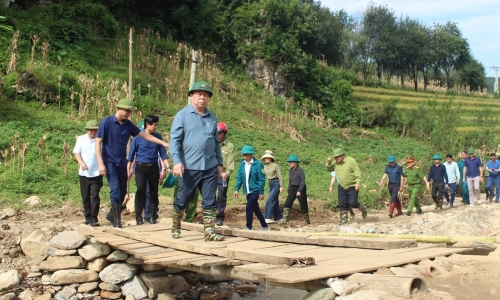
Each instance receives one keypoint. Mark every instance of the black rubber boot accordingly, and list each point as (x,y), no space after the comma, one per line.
(110,217)
(117,215)
(138,213)
(153,211)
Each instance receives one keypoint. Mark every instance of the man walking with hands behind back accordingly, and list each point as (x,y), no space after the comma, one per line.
(493,166)
(347,170)
(90,180)
(197,159)
(473,172)
(113,135)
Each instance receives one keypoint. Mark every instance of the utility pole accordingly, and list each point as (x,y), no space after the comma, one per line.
(130,66)
(192,79)
(495,89)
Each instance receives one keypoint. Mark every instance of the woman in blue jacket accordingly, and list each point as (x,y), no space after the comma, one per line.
(252,179)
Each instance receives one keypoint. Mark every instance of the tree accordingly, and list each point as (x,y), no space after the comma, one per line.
(452,50)
(472,75)
(379,25)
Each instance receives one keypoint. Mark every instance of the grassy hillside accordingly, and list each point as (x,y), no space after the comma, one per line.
(469,113)
(38,135)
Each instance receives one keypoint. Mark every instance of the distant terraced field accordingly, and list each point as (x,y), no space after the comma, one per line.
(471,107)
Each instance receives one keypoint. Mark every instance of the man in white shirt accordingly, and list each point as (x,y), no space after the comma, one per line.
(453,173)
(90,179)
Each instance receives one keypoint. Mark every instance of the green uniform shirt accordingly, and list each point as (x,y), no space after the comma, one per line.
(348,172)
(227,150)
(414,176)
(272,170)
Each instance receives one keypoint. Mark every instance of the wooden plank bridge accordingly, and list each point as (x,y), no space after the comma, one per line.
(292,260)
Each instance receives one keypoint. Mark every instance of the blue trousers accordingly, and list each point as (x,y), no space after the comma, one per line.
(348,198)
(272,203)
(253,208)
(206,181)
(494,181)
(450,198)
(117,180)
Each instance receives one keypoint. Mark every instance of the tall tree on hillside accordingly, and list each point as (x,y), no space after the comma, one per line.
(452,50)
(379,25)
(473,75)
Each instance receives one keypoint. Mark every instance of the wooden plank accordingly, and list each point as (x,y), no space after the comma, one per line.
(357,264)
(365,243)
(272,236)
(209,262)
(125,241)
(108,238)
(149,250)
(137,245)
(172,260)
(145,255)
(173,253)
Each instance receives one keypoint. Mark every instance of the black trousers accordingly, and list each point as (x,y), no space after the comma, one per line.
(90,188)
(437,190)
(348,198)
(393,191)
(144,175)
(292,195)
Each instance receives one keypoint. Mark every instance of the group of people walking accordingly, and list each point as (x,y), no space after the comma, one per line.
(203,161)
(442,180)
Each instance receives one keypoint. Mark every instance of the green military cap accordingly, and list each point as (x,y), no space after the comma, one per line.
(200,86)
(470,151)
(126,104)
(338,152)
(92,125)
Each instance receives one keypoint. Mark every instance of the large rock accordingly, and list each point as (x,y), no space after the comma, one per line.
(213,278)
(117,256)
(118,272)
(9,280)
(63,277)
(320,294)
(109,287)
(87,287)
(62,263)
(135,287)
(33,245)
(97,264)
(67,292)
(92,251)
(134,261)
(110,295)
(9,212)
(9,296)
(174,284)
(67,240)
(26,295)
(370,295)
(32,201)
(344,287)
(58,252)
(478,247)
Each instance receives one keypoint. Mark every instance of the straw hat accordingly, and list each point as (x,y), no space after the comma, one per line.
(268,154)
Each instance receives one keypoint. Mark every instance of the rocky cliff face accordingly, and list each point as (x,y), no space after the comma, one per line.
(268,74)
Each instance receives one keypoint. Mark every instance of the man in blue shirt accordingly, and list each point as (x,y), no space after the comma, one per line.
(493,166)
(112,136)
(197,159)
(147,173)
(437,173)
(394,172)
(474,172)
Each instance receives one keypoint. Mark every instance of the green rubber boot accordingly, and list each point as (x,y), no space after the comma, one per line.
(364,210)
(286,215)
(306,216)
(176,223)
(343,218)
(209,226)
(351,213)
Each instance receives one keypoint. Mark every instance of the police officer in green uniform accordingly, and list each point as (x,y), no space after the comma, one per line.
(414,178)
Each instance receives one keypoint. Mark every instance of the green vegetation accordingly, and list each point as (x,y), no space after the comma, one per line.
(67,63)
